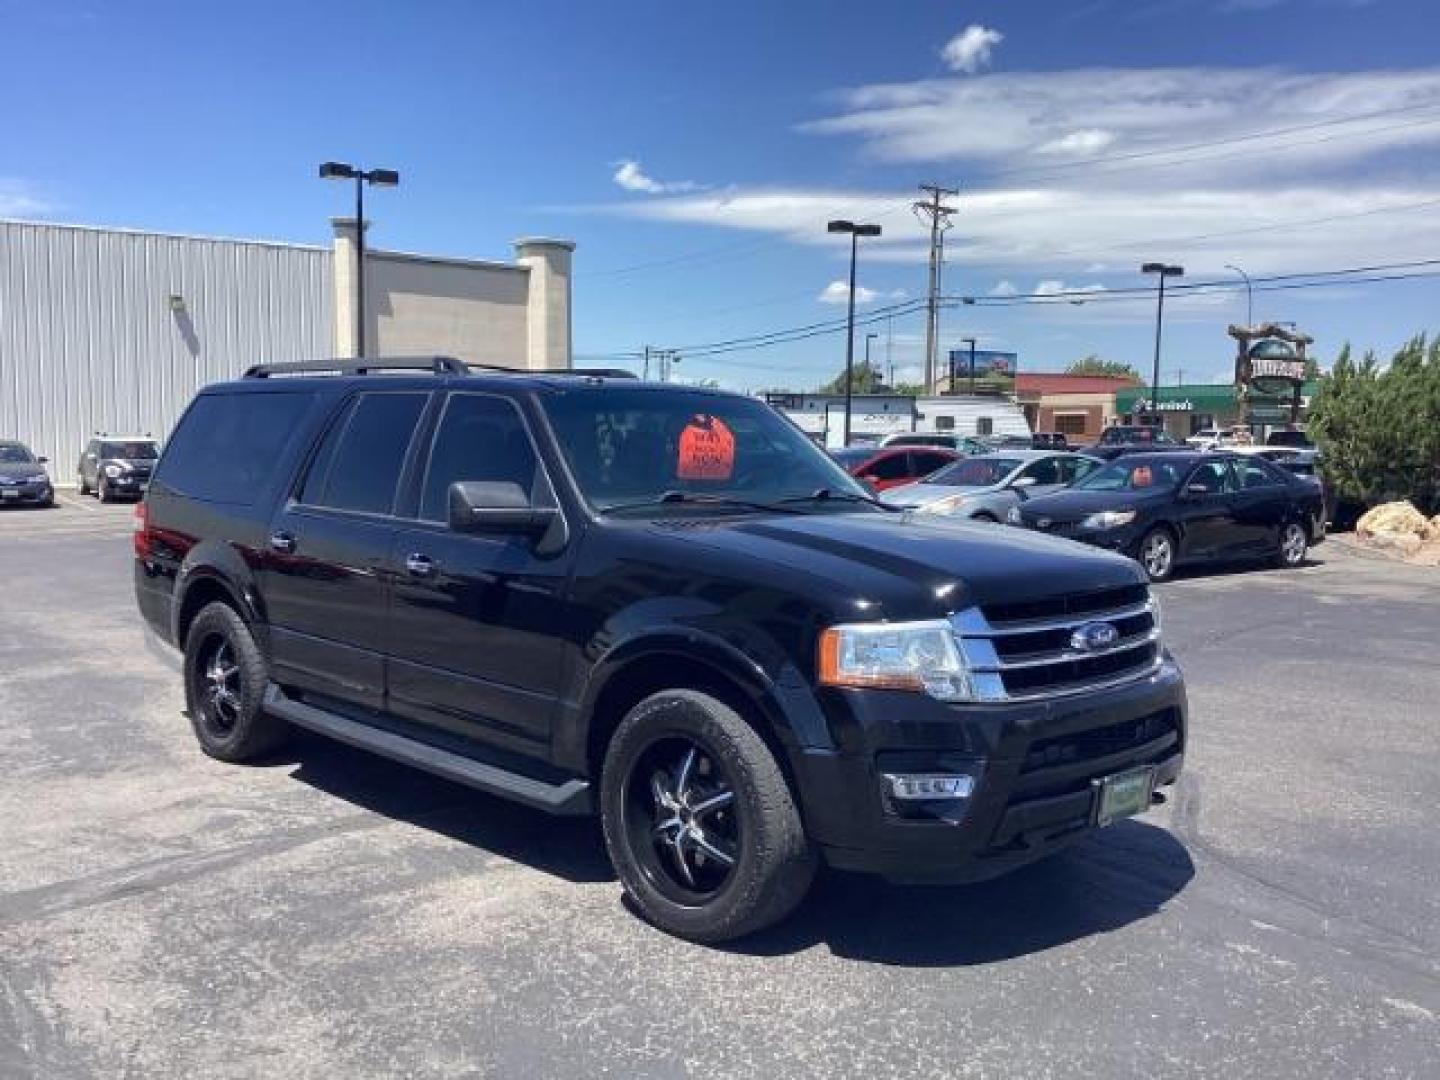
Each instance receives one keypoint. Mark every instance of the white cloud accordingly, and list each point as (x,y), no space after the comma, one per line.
(1021,119)
(1083,142)
(630,176)
(1005,288)
(18,200)
(838,292)
(969,50)
(1056,287)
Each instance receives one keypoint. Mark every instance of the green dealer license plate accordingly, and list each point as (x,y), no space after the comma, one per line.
(1123,795)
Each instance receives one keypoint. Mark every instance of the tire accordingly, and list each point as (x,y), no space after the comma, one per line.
(1294,542)
(1156,553)
(225,680)
(84,487)
(102,489)
(674,754)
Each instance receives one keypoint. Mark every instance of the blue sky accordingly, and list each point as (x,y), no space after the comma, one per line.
(1086,138)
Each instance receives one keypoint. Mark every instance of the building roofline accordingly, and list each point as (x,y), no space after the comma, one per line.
(444,260)
(130,231)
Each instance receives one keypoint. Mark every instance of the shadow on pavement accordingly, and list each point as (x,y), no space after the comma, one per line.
(1113,878)
(1116,877)
(571,848)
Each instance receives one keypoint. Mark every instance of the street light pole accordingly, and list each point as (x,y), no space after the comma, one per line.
(869,338)
(855,231)
(1249,296)
(971,342)
(339,170)
(1164,270)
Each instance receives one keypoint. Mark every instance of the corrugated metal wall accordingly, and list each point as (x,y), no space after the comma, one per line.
(90,340)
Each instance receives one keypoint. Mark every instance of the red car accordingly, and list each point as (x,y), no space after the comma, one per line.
(887,467)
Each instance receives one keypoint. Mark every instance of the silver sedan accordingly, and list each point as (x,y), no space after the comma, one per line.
(986,486)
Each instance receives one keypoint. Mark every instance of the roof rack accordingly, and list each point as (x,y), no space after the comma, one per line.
(438,365)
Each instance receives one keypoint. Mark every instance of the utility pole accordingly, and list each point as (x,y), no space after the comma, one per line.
(937,214)
(646,371)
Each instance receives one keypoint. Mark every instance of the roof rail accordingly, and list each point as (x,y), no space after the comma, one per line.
(586,372)
(437,365)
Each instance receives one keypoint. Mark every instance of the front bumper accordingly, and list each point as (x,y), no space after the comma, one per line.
(1035,765)
(26,494)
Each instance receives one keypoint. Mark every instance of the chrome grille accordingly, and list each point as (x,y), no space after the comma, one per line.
(1023,651)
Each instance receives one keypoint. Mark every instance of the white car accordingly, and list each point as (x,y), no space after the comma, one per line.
(985,487)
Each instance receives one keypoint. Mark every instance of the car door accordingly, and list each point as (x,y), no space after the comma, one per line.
(888,470)
(476,620)
(329,543)
(1206,508)
(1262,503)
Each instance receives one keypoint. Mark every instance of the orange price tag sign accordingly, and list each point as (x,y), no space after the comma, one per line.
(706,450)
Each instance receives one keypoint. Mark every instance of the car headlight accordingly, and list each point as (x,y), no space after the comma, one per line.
(1012,516)
(919,656)
(112,471)
(948,505)
(1108,519)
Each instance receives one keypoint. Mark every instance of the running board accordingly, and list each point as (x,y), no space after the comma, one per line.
(571,798)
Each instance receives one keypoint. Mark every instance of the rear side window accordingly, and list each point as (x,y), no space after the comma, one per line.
(358,464)
(229,445)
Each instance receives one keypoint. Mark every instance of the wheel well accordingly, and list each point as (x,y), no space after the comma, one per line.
(643,677)
(201,593)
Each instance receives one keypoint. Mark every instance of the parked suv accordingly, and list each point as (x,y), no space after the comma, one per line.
(114,465)
(660,604)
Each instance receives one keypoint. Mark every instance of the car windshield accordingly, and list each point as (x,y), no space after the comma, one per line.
(129,450)
(641,450)
(1136,474)
(15,454)
(975,472)
(1139,435)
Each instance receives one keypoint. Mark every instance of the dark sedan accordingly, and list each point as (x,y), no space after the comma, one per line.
(1165,509)
(1132,439)
(23,479)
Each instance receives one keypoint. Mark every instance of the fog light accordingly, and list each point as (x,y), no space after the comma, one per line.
(920,787)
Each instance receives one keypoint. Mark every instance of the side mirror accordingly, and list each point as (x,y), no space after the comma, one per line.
(43,460)
(496,507)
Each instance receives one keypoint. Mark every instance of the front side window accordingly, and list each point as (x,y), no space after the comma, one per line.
(358,464)
(890,467)
(1254,474)
(629,447)
(1044,472)
(480,438)
(1214,476)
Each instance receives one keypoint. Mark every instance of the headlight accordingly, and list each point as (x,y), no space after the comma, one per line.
(1108,519)
(1012,516)
(113,471)
(947,505)
(895,656)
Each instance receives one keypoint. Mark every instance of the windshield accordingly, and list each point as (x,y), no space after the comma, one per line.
(1136,474)
(975,472)
(129,450)
(15,454)
(628,448)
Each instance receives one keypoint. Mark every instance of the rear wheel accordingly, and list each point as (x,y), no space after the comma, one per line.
(225,680)
(1293,544)
(84,487)
(1157,554)
(699,821)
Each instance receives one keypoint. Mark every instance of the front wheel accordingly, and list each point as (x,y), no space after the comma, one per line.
(1157,554)
(700,824)
(1293,544)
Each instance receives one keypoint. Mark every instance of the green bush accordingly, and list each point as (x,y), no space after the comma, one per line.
(1378,429)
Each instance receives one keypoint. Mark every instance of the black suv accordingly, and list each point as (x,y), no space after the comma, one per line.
(115,465)
(663,605)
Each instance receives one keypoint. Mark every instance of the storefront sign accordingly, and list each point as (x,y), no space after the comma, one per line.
(1182,405)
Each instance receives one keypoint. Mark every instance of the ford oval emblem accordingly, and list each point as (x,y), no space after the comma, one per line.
(1094,636)
(1042,523)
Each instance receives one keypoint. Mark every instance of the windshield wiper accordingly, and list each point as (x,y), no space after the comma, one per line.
(831,495)
(694,498)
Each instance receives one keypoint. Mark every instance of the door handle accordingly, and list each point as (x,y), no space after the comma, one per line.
(419,565)
(282,542)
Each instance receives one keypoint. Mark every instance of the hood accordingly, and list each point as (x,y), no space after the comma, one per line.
(898,566)
(22,470)
(920,494)
(1073,505)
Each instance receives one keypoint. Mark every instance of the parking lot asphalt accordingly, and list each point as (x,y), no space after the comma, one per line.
(328,914)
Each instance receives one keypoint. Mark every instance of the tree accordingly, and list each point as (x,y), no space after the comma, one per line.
(1093,365)
(864,379)
(1378,429)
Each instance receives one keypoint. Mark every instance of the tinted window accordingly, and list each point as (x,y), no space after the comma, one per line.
(228,445)
(1135,474)
(1255,474)
(975,472)
(1072,469)
(1214,477)
(894,467)
(1044,471)
(361,470)
(479,438)
(927,462)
